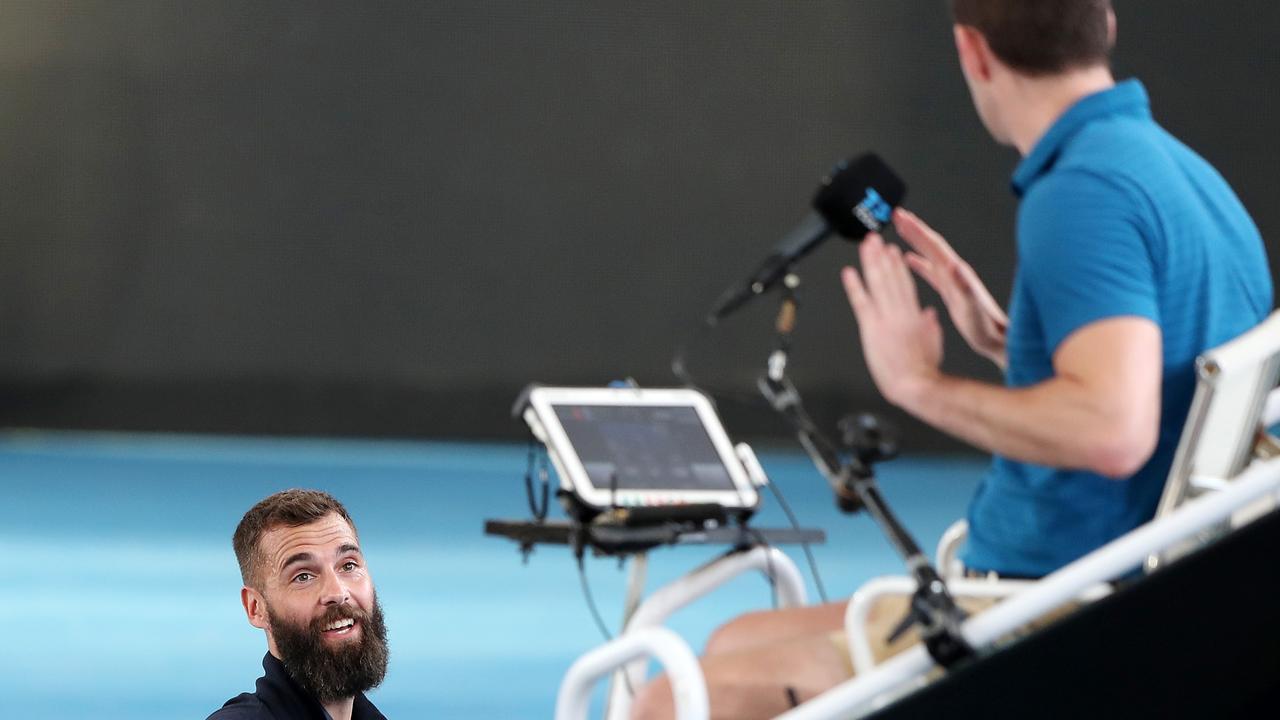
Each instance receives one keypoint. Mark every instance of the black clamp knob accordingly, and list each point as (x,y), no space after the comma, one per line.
(869,438)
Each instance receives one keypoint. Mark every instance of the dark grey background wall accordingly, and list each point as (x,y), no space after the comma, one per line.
(385,218)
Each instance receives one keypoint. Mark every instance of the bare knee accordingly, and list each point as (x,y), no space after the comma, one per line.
(653,701)
(739,633)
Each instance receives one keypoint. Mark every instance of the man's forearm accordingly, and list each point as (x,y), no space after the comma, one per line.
(1057,423)
(1100,410)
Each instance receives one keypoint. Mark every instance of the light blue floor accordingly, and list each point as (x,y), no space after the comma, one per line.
(123,593)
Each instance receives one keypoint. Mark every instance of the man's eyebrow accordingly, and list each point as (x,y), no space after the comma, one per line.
(298,557)
(308,557)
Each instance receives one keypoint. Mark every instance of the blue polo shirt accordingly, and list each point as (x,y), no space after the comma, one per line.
(1117,218)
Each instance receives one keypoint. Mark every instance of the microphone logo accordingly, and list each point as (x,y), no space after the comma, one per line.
(873,211)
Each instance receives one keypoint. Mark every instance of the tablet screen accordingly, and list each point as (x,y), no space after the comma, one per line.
(644,447)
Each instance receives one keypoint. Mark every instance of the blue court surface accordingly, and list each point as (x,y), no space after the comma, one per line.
(124,593)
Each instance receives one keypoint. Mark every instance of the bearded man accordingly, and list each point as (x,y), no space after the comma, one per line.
(306,584)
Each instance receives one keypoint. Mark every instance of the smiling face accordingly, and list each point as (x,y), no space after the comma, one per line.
(317,604)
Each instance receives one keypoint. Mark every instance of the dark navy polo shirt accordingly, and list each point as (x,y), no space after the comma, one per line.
(1117,218)
(278,697)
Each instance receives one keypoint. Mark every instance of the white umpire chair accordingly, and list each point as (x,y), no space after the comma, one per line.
(1226,473)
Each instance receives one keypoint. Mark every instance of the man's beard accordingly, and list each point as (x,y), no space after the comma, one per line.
(333,673)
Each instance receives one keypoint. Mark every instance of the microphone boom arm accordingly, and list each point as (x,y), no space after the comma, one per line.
(853,482)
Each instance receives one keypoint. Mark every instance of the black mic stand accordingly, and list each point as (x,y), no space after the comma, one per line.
(854,484)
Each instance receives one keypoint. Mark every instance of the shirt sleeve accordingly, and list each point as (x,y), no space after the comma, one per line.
(1083,254)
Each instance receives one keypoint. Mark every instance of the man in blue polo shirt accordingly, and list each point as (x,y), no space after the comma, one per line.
(1134,256)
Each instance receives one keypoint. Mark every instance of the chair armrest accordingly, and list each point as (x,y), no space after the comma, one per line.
(688,686)
(945,560)
(855,617)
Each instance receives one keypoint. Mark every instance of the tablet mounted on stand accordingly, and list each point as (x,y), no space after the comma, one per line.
(640,456)
(641,468)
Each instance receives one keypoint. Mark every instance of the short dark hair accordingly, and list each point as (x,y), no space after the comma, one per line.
(1041,37)
(287,508)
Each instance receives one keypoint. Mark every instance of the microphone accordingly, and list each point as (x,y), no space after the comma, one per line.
(857,198)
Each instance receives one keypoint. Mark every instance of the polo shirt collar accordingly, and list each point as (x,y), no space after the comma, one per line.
(282,694)
(1127,98)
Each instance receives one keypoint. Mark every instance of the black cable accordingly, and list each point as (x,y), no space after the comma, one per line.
(599,620)
(681,371)
(808,551)
(591,602)
(678,367)
(536,508)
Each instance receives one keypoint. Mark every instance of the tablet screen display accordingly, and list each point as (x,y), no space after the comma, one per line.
(644,447)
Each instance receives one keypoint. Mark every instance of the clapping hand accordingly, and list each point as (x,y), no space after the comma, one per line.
(973,311)
(901,341)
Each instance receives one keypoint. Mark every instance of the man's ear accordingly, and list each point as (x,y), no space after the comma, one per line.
(975,55)
(1111,28)
(255,607)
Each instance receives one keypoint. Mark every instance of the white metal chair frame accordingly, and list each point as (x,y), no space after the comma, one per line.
(654,611)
